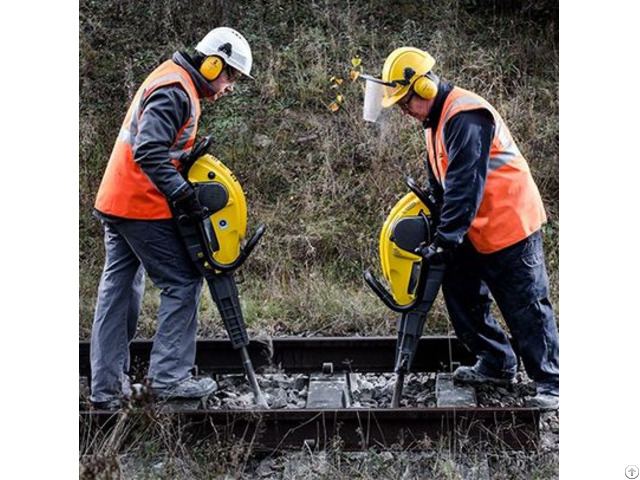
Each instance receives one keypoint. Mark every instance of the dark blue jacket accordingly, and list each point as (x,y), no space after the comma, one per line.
(467,137)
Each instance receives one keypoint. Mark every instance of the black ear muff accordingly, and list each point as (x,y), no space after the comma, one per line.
(211,67)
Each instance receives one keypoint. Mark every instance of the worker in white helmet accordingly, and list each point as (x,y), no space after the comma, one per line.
(140,186)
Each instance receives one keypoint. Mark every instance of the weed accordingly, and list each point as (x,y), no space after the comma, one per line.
(323,182)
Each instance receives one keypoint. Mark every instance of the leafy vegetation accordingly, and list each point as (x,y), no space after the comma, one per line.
(319,177)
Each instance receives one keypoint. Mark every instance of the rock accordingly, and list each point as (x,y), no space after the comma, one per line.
(280,399)
(366,396)
(242,127)
(268,397)
(296,466)
(246,400)
(158,467)
(320,463)
(265,468)
(425,397)
(286,384)
(381,383)
(386,456)
(261,141)
(364,385)
(299,382)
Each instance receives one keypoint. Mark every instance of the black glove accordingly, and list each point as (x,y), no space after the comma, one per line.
(187,204)
(434,195)
(434,254)
(434,191)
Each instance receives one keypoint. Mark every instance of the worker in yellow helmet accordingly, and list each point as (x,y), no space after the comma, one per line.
(489,230)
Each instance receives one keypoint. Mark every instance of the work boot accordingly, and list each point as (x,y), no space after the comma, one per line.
(471,376)
(543,401)
(190,388)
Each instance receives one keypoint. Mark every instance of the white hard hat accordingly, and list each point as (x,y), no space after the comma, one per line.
(228,44)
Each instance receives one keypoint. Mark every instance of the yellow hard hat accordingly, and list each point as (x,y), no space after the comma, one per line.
(402,68)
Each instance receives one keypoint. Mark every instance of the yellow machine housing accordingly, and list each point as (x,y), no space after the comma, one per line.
(401,267)
(230,221)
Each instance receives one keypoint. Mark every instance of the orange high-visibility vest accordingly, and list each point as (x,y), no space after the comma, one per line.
(511,208)
(125,190)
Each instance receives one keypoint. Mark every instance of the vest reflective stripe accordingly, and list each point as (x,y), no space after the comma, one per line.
(163,81)
(125,190)
(511,208)
(181,144)
(501,159)
(509,150)
(435,167)
(124,135)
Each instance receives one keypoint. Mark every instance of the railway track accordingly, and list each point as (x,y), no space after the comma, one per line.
(329,371)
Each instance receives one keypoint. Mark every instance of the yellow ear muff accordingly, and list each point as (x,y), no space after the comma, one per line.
(425,88)
(211,67)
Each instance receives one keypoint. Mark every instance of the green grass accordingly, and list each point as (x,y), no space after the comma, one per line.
(324,182)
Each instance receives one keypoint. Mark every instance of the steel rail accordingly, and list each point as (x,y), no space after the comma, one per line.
(358,429)
(304,355)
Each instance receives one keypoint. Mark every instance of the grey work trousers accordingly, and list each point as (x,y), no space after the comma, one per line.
(133,246)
